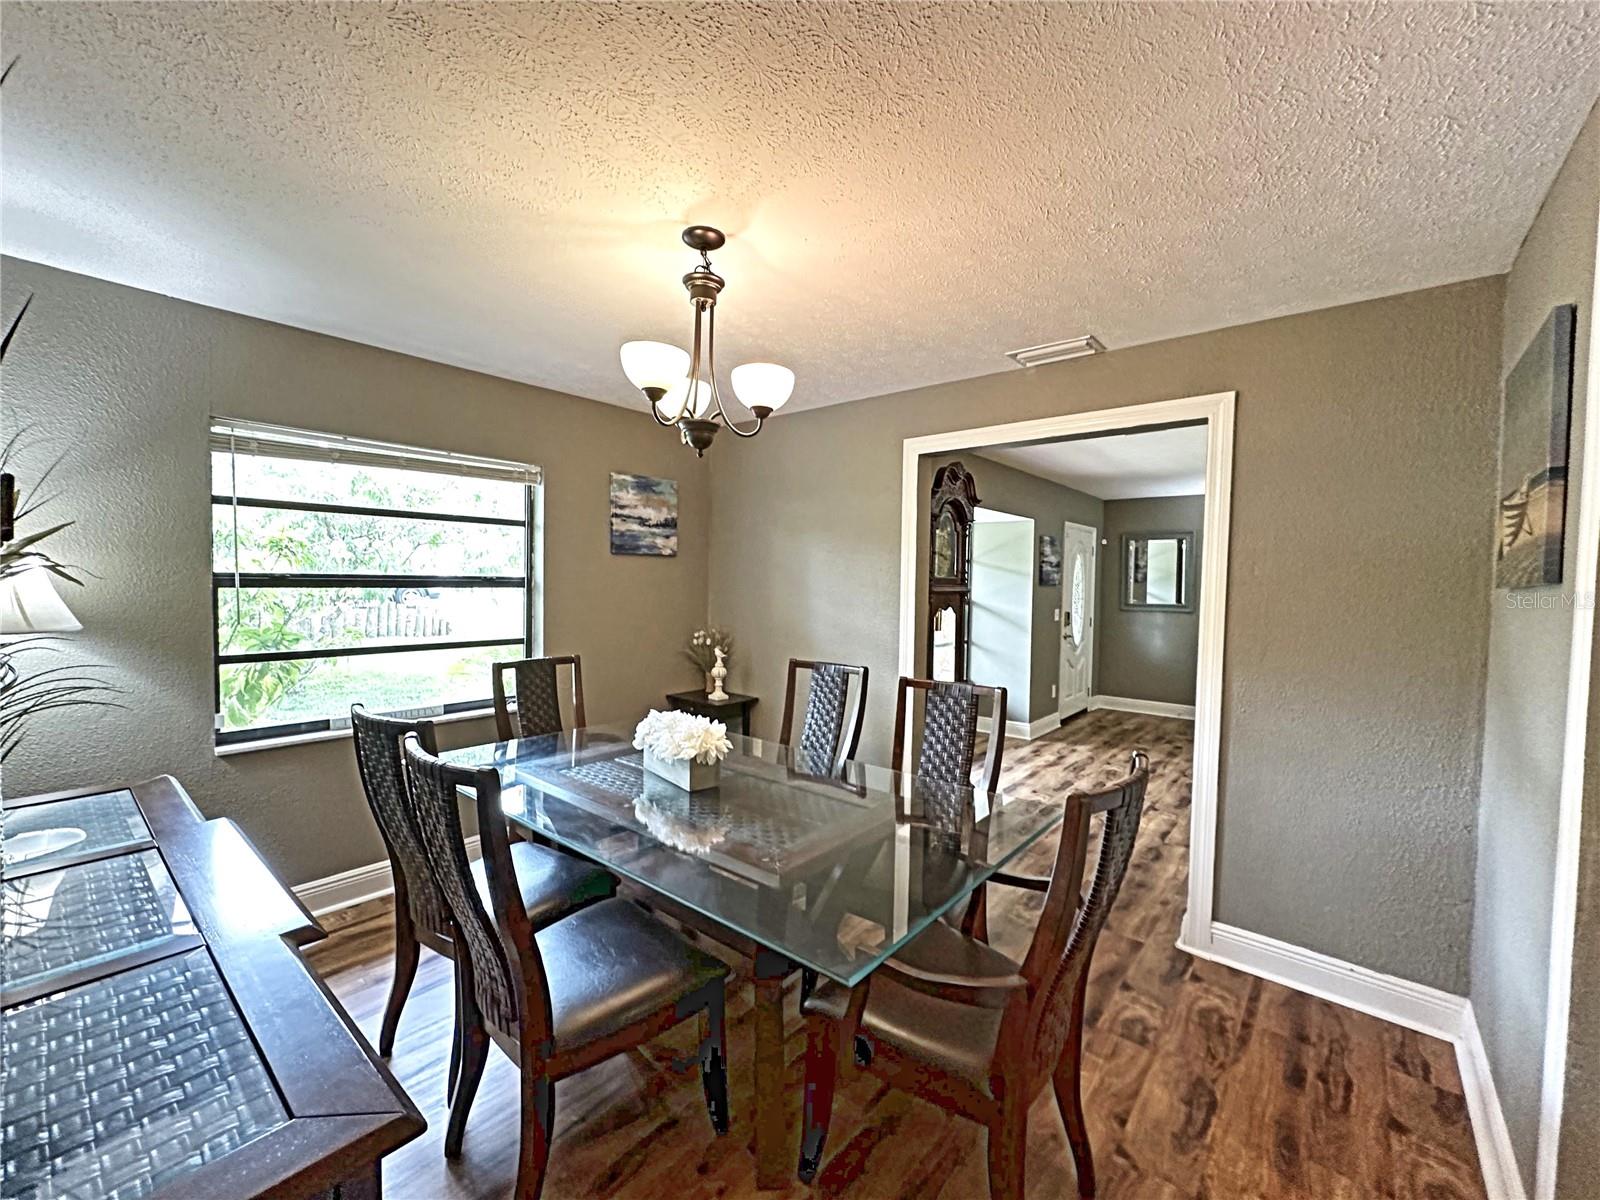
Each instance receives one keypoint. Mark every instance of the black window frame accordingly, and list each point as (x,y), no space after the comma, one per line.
(224,580)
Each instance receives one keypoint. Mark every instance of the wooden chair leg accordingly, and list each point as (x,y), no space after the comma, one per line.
(474,1053)
(714,1060)
(1007,1149)
(455,1041)
(406,953)
(829,1045)
(822,1072)
(1067,1080)
(538,1130)
(1069,1100)
(975,921)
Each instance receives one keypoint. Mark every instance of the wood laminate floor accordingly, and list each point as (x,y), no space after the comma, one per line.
(1200,1081)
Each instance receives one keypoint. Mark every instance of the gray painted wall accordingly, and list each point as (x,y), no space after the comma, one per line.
(1049,505)
(1000,648)
(1530,644)
(1357,629)
(1147,655)
(125,381)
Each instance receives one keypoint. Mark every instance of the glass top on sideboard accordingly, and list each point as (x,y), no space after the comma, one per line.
(39,836)
(76,917)
(113,1090)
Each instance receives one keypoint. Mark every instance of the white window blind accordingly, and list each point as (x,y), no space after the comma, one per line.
(254,437)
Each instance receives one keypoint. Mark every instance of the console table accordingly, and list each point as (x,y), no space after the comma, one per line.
(160,1035)
(736,706)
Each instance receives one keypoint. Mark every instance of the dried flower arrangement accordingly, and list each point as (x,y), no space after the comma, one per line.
(703,644)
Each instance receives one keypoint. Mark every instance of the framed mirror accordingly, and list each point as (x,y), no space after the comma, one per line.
(1157,572)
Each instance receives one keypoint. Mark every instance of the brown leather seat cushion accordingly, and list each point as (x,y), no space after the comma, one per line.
(552,883)
(943,950)
(610,965)
(955,1038)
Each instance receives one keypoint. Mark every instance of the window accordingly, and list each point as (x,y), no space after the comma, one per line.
(347,571)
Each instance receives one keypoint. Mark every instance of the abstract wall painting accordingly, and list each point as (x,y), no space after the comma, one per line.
(1049,560)
(1535,420)
(644,515)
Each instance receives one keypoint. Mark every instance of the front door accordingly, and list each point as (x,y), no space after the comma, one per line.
(1078,544)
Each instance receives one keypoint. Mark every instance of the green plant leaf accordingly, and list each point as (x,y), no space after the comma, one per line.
(11,330)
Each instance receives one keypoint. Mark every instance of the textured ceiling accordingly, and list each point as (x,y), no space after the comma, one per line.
(1120,466)
(911,189)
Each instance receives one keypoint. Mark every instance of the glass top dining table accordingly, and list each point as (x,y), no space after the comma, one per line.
(832,870)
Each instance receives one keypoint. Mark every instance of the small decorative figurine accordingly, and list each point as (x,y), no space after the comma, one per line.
(718,674)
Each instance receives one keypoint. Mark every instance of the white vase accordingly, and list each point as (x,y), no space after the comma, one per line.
(687,773)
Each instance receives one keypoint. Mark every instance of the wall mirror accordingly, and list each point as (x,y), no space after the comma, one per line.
(1157,571)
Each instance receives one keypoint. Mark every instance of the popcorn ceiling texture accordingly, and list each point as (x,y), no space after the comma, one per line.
(911,189)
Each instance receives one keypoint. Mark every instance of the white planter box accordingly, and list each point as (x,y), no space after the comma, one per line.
(688,774)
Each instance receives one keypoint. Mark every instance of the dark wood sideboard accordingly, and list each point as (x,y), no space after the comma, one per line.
(160,1034)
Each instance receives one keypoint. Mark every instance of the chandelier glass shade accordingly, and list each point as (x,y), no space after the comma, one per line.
(654,366)
(682,385)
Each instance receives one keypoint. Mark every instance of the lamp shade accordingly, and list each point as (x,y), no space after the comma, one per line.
(672,405)
(763,385)
(29,604)
(653,364)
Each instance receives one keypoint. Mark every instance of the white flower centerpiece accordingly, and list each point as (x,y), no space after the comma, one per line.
(687,831)
(683,748)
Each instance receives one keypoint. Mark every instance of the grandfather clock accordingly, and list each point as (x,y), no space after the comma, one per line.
(951,511)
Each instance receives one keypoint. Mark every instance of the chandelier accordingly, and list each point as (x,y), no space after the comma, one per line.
(682,387)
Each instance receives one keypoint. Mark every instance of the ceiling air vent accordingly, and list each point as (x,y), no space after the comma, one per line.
(1037,356)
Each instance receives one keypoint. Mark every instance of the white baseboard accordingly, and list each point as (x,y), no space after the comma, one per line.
(1023,730)
(1501,1179)
(355,886)
(1153,708)
(1044,726)
(1414,1005)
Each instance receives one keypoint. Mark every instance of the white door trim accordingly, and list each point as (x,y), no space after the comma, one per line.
(1216,410)
(1094,612)
(1569,828)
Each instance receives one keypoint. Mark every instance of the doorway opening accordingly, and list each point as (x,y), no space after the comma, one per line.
(1126,553)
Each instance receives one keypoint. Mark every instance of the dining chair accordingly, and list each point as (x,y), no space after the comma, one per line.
(538,697)
(831,728)
(942,767)
(972,1030)
(948,745)
(556,1000)
(551,884)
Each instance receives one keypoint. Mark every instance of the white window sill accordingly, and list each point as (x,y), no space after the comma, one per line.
(333,735)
